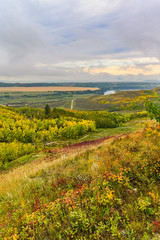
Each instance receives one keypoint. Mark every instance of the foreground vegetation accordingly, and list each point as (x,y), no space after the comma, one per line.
(28,130)
(111,192)
(102,119)
(20,135)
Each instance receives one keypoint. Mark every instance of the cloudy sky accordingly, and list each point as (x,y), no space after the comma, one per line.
(79,40)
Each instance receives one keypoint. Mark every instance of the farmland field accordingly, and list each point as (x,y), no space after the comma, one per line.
(44,89)
(84,96)
(86,100)
(60,99)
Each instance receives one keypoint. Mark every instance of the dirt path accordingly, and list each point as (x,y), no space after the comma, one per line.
(53,157)
(72,104)
(84,144)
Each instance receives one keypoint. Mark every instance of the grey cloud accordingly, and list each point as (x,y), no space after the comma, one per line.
(19,36)
(56,31)
(138,26)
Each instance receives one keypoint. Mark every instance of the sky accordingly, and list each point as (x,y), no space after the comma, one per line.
(79,40)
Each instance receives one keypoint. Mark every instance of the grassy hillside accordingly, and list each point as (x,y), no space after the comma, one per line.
(120,101)
(109,192)
(28,130)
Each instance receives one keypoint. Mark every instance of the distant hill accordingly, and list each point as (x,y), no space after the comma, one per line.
(119,101)
(104,86)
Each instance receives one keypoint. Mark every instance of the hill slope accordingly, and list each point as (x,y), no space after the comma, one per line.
(120,101)
(110,192)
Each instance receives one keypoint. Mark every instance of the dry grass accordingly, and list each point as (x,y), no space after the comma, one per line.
(44,89)
(15,177)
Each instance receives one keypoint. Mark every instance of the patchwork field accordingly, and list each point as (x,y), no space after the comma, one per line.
(45,89)
(79,96)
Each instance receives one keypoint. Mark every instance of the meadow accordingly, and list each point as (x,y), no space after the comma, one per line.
(60,99)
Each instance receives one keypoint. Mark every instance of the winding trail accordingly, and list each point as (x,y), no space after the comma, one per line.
(84,144)
(47,159)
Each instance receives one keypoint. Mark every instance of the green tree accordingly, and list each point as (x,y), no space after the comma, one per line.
(47,110)
(153,110)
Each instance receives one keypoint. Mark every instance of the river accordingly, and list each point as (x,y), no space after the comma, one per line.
(109,92)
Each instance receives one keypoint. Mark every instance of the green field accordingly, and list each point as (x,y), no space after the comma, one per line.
(36,99)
